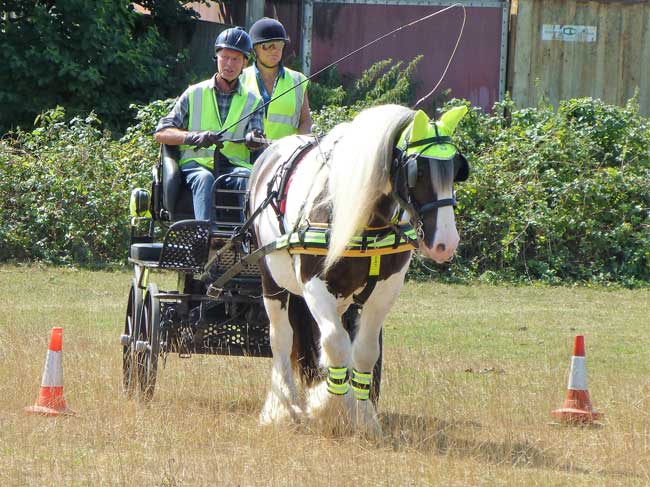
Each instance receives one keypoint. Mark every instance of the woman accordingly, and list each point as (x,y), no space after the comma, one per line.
(290,113)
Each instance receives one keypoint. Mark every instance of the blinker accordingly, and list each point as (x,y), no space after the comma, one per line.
(412,171)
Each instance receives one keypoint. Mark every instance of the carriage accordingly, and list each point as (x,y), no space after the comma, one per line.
(332,224)
(196,317)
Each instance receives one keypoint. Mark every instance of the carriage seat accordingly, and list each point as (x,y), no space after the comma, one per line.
(146,251)
(176,197)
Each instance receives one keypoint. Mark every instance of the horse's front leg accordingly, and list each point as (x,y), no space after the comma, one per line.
(330,402)
(281,401)
(365,349)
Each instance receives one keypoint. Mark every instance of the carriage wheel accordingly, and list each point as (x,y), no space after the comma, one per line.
(133,310)
(148,347)
(375,386)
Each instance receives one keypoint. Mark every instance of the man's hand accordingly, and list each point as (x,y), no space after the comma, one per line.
(204,139)
(255,139)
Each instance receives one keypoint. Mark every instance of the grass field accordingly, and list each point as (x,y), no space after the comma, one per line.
(470,376)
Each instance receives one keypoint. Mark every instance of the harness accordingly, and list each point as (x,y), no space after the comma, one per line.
(313,238)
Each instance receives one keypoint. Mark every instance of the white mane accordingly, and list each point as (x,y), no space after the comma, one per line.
(360,172)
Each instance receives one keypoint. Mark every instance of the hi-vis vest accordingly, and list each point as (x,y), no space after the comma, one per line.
(282,115)
(204,115)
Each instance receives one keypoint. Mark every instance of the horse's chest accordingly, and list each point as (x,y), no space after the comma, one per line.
(350,274)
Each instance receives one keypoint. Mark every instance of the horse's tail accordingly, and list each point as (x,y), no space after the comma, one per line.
(306,340)
(360,172)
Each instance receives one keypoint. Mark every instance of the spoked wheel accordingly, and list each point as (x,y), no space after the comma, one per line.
(133,310)
(148,344)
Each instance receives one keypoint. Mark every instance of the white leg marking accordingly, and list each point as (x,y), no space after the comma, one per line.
(365,348)
(335,342)
(333,413)
(281,403)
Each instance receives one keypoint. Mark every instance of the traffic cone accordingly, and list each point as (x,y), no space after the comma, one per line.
(577,406)
(50,400)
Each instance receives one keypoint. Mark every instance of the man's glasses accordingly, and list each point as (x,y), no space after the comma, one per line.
(272,45)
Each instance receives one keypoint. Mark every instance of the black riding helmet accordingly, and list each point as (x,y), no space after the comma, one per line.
(234,38)
(266,29)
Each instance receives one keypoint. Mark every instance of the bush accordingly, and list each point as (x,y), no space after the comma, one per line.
(65,190)
(98,55)
(556,196)
(380,84)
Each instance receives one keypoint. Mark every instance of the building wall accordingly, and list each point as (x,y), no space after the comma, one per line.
(477,72)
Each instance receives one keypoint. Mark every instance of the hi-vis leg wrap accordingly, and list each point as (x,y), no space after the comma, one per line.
(337,380)
(361,384)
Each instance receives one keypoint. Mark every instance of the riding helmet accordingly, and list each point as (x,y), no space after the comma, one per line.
(266,29)
(234,38)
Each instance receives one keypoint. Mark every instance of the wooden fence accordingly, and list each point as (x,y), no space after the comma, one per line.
(573,48)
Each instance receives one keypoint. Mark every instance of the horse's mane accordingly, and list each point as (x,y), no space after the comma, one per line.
(360,172)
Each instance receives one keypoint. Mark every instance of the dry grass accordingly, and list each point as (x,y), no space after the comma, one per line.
(470,375)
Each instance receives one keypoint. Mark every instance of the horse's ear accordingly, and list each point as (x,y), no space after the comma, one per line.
(449,120)
(420,129)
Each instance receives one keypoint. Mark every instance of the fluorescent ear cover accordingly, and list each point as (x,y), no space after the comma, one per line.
(421,128)
(451,118)
(446,127)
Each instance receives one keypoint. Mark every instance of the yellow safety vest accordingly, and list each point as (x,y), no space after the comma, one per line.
(282,115)
(204,115)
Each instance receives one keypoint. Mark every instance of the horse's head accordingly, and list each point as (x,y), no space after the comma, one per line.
(426,166)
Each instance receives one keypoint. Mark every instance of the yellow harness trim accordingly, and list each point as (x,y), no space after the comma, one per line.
(375,263)
(312,241)
(353,253)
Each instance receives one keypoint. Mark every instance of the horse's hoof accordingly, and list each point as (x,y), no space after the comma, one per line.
(278,412)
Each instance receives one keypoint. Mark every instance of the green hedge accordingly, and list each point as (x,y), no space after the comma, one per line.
(557,196)
(64,189)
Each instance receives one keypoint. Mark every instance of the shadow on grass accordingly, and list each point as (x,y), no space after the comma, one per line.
(428,434)
(218,405)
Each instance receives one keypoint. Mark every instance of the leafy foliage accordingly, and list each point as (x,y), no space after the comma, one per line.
(82,55)
(556,196)
(65,187)
(382,83)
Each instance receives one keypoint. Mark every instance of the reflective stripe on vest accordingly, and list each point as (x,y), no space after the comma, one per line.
(204,115)
(282,115)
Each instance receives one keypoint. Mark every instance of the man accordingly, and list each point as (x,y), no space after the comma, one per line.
(208,107)
(290,113)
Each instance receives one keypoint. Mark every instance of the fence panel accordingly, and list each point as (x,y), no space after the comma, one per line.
(568,48)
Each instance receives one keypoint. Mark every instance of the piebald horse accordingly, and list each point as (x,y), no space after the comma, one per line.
(390,165)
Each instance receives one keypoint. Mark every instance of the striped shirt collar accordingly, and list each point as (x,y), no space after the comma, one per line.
(213,84)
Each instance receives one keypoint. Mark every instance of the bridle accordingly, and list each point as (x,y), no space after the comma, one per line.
(404,173)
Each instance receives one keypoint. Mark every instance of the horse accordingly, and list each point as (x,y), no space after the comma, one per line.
(387,171)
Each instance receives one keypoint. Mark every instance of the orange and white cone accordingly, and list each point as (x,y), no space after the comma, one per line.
(577,406)
(50,400)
